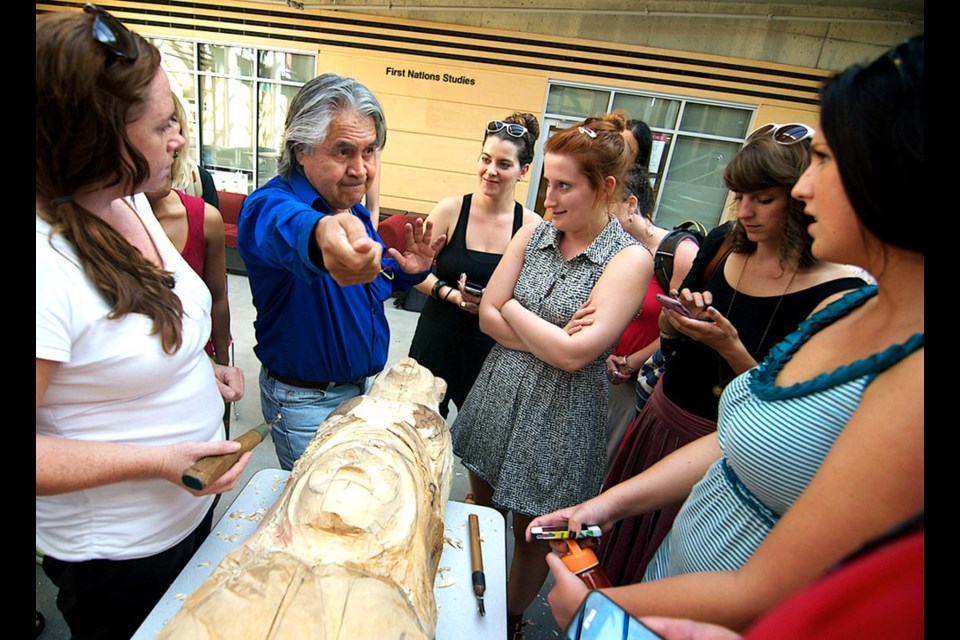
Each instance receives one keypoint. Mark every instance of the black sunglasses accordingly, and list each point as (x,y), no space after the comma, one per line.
(108,31)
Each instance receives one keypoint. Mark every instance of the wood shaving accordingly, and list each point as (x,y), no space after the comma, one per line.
(456,543)
(181,596)
(443,584)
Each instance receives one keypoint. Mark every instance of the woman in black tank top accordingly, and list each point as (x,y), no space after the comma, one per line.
(448,340)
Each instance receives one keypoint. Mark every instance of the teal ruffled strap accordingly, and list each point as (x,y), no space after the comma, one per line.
(762,378)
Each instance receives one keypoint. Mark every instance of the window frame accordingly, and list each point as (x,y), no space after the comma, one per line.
(675,133)
(254,179)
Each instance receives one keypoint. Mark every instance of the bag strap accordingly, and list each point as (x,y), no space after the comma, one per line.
(722,252)
(663,258)
(667,250)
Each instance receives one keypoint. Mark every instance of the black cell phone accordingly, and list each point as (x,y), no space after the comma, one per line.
(473,289)
(600,618)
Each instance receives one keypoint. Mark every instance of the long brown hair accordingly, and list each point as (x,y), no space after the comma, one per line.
(85,98)
(764,163)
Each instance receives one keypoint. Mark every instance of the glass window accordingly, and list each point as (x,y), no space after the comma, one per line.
(693,187)
(693,140)
(237,61)
(273,105)
(715,120)
(282,65)
(183,86)
(236,100)
(577,101)
(177,55)
(227,124)
(656,112)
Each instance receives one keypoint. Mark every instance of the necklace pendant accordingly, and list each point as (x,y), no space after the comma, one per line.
(717,391)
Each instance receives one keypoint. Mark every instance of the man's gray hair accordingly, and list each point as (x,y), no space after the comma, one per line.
(318,103)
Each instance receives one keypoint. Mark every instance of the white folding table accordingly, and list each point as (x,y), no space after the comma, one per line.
(458,616)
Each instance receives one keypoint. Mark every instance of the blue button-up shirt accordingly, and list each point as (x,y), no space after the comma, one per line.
(308,326)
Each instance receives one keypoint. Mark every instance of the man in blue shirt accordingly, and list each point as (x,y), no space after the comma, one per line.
(316,265)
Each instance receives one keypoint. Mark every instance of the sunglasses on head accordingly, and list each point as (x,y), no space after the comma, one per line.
(783,133)
(513,129)
(108,31)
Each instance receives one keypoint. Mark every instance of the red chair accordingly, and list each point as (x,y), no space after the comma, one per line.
(392,230)
(230,205)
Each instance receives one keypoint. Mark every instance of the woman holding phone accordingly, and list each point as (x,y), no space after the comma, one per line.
(531,431)
(641,339)
(762,281)
(820,448)
(478,227)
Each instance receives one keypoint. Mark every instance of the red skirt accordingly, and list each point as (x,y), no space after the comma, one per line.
(659,430)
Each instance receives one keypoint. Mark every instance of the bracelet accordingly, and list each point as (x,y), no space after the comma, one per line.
(448,294)
(436,288)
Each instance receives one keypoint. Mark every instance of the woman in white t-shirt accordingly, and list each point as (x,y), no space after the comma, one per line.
(126,397)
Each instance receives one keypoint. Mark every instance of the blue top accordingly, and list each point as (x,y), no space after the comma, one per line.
(308,326)
(773,440)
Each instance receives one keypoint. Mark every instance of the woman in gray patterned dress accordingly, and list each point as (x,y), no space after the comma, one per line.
(532,430)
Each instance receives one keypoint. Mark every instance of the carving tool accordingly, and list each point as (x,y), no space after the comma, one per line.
(476,562)
(206,470)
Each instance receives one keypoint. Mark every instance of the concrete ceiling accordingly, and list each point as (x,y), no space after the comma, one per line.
(822,34)
(871,10)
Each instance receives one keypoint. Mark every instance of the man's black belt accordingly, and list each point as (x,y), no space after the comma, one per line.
(295,382)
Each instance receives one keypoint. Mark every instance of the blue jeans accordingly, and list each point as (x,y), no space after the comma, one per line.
(301,412)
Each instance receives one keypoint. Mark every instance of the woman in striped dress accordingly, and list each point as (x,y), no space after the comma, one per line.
(820,447)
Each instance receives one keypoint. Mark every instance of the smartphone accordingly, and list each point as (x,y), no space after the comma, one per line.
(560,532)
(673,304)
(473,289)
(600,618)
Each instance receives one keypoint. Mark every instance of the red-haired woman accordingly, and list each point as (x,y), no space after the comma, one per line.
(531,431)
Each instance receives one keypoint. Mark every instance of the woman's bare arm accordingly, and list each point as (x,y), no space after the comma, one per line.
(444,217)
(871,480)
(215,276)
(71,465)
(666,483)
(617,297)
(499,291)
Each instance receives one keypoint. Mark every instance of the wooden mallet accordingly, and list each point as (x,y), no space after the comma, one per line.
(206,470)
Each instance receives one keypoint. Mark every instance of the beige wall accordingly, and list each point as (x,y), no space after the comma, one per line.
(435,127)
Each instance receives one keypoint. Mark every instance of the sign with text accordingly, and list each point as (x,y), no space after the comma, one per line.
(417,74)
